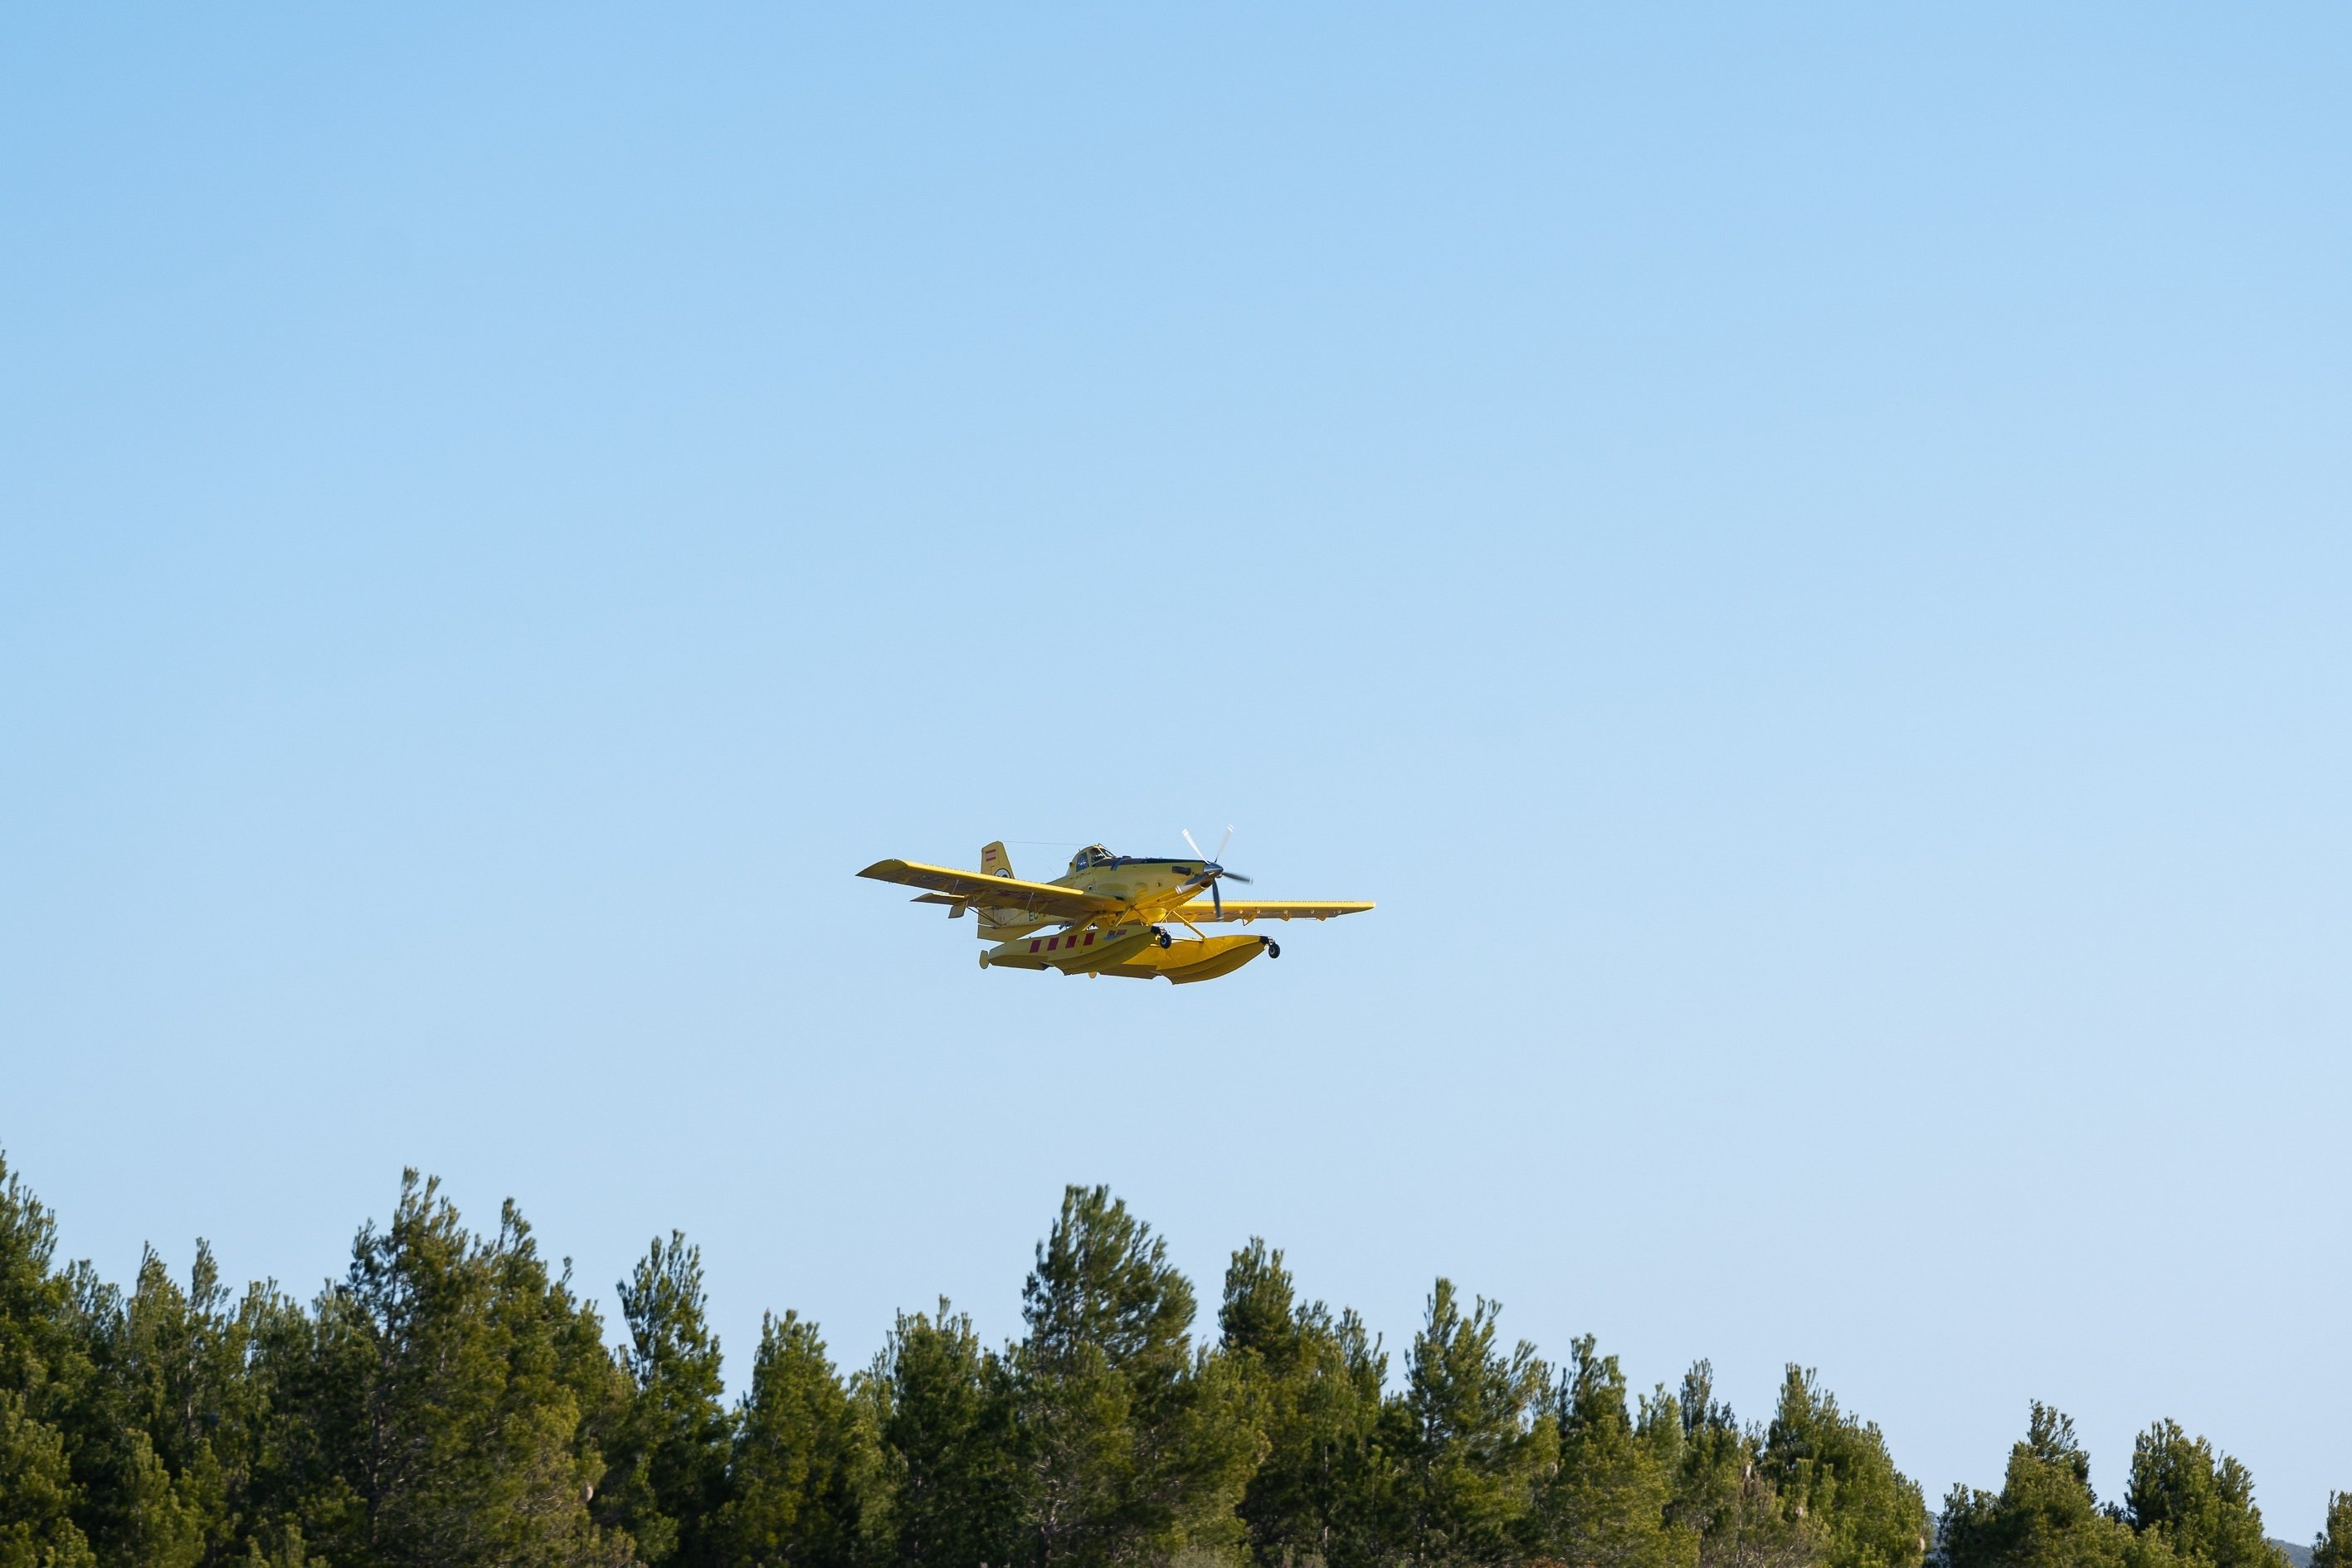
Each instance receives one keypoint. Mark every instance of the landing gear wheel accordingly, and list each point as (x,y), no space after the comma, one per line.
(1167,941)
(1273,948)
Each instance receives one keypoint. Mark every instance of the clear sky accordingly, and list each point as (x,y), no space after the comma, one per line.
(1800,553)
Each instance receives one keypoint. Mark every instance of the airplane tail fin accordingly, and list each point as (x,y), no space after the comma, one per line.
(995,862)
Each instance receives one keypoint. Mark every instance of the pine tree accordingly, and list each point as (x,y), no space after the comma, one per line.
(303,1380)
(1130,1445)
(2333,1546)
(42,1371)
(803,1459)
(36,1493)
(1608,1502)
(1835,1472)
(2045,1514)
(2203,1509)
(1469,1438)
(1316,1382)
(1722,1495)
(668,1452)
(947,1428)
(443,1405)
(167,1436)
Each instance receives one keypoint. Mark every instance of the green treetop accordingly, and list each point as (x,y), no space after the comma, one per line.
(43,1369)
(443,1408)
(1316,1383)
(1131,1447)
(668,1453)
(1471,1437)
(947,1436)
(1835,1472)
(2203,1509)
(2045,1514)
(1722,1494)
(2333,1548)
(1608,1504)
(803,1457)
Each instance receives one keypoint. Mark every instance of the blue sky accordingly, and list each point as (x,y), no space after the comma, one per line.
(1800,558)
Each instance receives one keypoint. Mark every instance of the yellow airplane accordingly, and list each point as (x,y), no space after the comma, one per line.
(1110,910)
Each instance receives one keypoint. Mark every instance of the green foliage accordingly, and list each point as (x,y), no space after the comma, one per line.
(166,1427)
(1609,1504)
(43,1369)
(1469,1436)
(2203,1509)
(1314,1382)
(803,1457)
(447,1394)
(1130,1447)
(37,1352)
(1834,1473)
(2045,1515)
(1721,1494)
(2333,1548)
(947,1424)
(36,1494)
(450,1403)
(668,1453)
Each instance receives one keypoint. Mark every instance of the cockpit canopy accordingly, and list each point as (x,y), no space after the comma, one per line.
(1092,855)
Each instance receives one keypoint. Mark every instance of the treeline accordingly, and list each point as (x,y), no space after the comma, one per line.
(452,1403)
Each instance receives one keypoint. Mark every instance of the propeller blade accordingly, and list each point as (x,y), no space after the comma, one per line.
(1232,877)
(1217,899)
(1196,849)
(1228,839)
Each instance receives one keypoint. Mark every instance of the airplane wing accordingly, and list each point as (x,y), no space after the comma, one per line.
(1245,910)
(1042,900)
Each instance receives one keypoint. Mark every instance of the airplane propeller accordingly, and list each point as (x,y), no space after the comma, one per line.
(1211,872)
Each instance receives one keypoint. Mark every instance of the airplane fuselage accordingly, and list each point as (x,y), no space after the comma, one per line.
(1135,881)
